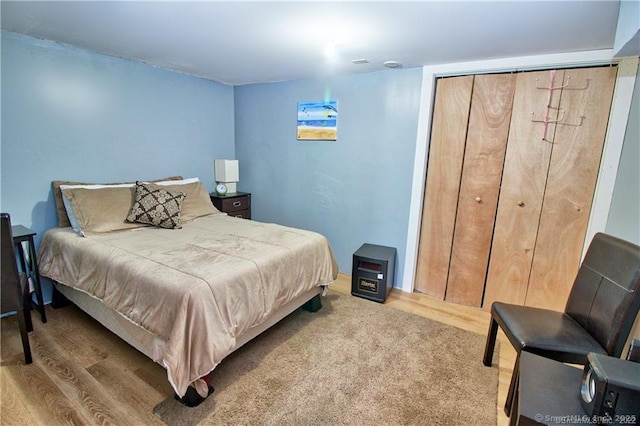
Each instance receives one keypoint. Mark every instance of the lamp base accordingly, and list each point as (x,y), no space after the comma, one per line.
(231,187)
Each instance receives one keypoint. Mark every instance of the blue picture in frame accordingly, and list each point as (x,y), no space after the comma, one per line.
(318,120)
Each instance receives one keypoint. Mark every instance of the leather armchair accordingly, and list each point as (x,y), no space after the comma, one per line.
(598,317)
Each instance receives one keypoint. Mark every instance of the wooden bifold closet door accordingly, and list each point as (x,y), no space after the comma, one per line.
(512,168)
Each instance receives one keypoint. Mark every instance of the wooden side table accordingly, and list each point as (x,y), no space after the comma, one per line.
(29,263)
(237,204)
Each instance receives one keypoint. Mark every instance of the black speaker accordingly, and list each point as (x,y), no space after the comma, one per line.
(610,390)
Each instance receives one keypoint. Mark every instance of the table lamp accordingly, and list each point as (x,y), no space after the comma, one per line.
(227,173)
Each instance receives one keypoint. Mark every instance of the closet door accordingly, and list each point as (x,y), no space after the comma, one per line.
(446,152)
(573,171)
(551,169)
(489,119)
(523,183)
(512,230)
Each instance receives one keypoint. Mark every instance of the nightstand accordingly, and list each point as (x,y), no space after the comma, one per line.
(237,204)
(28,262)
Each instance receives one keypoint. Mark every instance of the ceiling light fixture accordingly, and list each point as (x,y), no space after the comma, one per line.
(330,50)
(391,64)
(359,61)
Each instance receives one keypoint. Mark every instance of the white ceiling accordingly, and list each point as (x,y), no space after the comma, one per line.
(241,42)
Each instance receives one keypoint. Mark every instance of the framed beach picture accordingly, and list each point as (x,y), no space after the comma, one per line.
(318,120)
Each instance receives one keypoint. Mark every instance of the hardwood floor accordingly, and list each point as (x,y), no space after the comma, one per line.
(84,374)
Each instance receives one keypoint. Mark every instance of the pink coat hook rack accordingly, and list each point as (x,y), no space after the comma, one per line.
(546,120)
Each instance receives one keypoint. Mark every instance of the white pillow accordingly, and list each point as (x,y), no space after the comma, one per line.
(176,182)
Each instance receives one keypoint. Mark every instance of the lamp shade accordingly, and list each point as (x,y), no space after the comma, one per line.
(227,171)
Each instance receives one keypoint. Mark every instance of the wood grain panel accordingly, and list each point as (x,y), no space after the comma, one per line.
(123,386)
(489,119)
(76,384)
(573,172)
(446,152)
(155,377)
(46,404)
(56,389)
(88,345)
(523,183)
(13,410)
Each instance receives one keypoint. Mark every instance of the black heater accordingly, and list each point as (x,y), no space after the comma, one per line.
(373,272)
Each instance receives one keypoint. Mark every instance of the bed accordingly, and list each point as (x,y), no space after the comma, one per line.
(187,295)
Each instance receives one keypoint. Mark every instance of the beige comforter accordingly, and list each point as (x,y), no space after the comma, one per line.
(198,287)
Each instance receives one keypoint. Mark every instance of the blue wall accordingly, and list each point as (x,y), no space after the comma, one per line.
(354,190)
(72,114)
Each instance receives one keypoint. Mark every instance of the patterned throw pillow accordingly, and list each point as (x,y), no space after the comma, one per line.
(156,206)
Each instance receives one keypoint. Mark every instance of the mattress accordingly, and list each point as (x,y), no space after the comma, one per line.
(197,290)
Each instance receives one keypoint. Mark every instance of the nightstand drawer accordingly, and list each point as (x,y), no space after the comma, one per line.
(235,204)
(244,214)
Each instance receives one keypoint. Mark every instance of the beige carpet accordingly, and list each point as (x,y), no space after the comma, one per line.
(355,362)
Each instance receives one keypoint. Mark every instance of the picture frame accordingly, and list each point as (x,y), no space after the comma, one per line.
(318,120)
